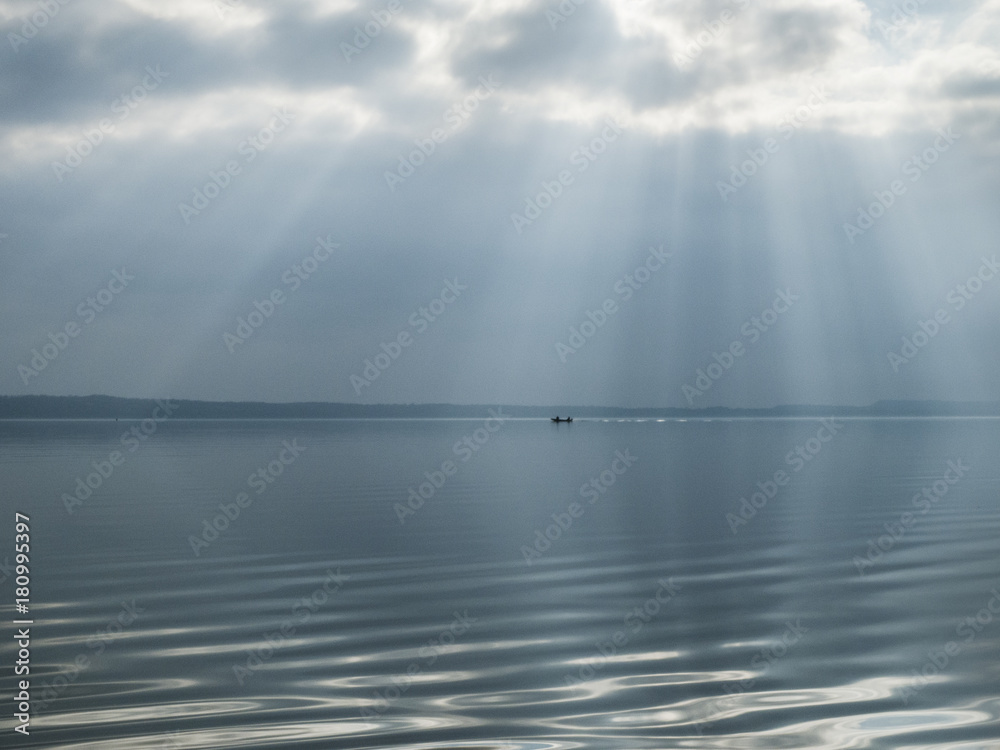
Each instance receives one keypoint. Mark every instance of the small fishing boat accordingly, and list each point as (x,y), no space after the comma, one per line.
(561,419)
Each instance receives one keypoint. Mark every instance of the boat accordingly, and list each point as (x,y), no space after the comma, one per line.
(561,419)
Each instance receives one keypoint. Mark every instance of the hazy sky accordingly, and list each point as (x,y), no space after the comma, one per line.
(469,180)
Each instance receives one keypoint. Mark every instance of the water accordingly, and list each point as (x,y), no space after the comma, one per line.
(426,627)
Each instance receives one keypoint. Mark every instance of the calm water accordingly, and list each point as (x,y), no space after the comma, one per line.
(520,606)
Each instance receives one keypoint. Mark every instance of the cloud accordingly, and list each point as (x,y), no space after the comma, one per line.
(687,122)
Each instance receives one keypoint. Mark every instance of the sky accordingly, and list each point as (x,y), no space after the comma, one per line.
(619,202)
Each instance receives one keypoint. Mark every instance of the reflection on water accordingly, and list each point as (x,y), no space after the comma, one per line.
(435,584)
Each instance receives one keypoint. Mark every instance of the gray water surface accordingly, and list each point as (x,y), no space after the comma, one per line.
(595,585)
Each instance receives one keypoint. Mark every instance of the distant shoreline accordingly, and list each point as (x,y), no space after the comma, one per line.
(110,407)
